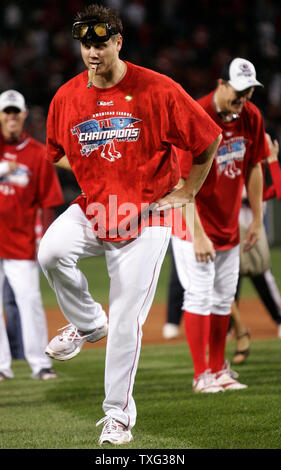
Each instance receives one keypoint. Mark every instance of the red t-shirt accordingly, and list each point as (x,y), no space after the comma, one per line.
(119,143)
(219,199)
(32,185)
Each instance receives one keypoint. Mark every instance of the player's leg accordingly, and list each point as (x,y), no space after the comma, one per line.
(238,289)
(13,322)
(268,291)
(69,239)
(5,353)
(24,278)
(242,334)
(225,283)
(134,269)
(197,280)
(233,323)
(174,304)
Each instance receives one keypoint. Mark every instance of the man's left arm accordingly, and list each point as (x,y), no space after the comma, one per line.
(254,185)
(195,179)
(63,163)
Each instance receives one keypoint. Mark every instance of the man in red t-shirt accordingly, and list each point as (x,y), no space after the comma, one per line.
(118,134)
(28,182)
(264,283)
(208,267)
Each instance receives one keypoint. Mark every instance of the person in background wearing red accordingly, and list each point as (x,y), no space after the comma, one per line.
(208,267)
(28,182)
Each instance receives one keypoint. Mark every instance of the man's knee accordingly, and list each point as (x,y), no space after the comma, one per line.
(222,305)
(48,255)
(198,302)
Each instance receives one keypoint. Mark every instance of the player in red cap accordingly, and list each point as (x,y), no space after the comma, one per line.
(208,267)
(28,182)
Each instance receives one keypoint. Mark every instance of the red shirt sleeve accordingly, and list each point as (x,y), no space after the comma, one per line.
(49,188)
(54,151)
(189,126)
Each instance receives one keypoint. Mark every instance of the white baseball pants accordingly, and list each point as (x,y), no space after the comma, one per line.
(133,267)
(208,287)
(24,279)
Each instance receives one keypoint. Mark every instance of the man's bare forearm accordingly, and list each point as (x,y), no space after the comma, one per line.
(254,185)
(63,163)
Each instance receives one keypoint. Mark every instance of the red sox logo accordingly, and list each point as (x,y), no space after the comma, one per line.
(20,177)
(229,154)
(94,133)
(245,70)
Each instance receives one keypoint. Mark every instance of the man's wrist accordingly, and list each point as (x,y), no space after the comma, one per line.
(258,220)
(272,158)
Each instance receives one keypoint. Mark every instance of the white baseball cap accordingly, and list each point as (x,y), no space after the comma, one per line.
(240,74)
(12,98)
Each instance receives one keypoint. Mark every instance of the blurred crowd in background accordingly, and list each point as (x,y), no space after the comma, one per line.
(188,42)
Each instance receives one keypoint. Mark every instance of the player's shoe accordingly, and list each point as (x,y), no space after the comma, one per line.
(69,343)
(45,374)
(227,379)
(206,383)
(5,376)
(170,331)
(114,432)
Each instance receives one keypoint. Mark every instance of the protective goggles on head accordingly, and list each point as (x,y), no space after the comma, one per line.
(91,30)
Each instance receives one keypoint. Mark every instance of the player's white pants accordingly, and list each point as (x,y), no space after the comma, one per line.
(24,279)
(133,268)
(208,287)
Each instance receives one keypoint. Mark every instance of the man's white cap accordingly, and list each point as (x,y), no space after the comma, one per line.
(241,74)
(12,98)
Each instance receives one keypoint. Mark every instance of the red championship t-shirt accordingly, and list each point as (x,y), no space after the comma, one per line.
(219,199)
(33,184)
(119,143)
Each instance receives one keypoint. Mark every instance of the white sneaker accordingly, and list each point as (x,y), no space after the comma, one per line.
(69,343)
(170,331)
(206,383)
(226,378)
(45,374)
(114,432)
(4,377)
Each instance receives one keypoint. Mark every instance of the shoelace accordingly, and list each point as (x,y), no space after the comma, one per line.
(207,376)
(70,333)
(111,425)
(234,375)
(209,379)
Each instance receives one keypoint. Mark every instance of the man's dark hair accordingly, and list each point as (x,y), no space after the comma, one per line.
(102,15)
(225,71)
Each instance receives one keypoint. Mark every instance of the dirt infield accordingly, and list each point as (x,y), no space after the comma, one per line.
(252,311)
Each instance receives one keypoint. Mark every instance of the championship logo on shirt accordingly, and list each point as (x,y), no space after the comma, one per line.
(103,132)
(229,153)
(18,177)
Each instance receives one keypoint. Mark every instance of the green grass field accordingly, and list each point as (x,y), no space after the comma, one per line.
(61,414)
